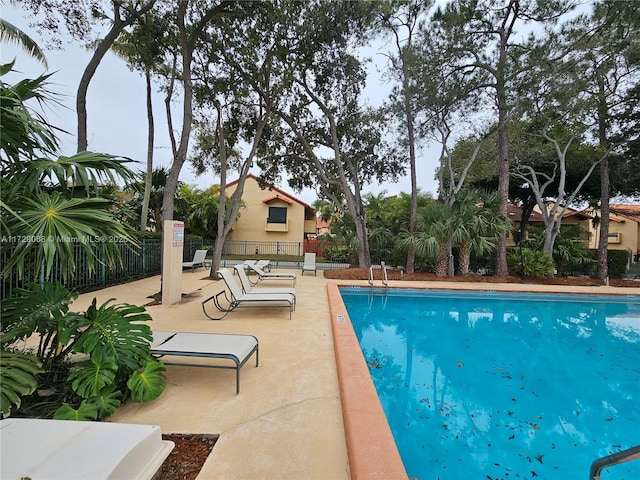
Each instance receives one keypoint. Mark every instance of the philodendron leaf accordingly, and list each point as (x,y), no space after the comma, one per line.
(115,331)
(91,376)
(85,412)
(17,378)
(148,384)
(107,403)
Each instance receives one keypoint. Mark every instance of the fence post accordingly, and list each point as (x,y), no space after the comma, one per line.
(144,258)
(103,273)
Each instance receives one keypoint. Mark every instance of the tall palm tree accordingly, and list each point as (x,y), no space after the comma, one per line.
(144,49)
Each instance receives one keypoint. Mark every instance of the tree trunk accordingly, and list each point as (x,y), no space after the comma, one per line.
(180,156)
(81,97)
(103,47)
(550,235)
(503,129)
(465,259)
(228,209)
(144,214)
(603,245)
(413,211)
(503,174)
(364,255)
(442,261)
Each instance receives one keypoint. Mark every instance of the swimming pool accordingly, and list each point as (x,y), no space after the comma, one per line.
(484,385)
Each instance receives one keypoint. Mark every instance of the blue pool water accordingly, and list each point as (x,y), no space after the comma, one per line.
(503,386)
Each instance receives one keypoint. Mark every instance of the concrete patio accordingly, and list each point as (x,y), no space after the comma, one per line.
(287,421)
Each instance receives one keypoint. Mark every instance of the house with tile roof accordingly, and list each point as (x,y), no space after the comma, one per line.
(624,230)
(271,215)
(571,217)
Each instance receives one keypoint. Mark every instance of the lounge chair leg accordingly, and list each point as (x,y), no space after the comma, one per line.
(216,301)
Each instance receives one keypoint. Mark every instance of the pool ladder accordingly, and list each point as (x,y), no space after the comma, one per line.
(385,280)
(624,456)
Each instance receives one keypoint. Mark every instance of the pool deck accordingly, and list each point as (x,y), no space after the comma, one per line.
(287,421)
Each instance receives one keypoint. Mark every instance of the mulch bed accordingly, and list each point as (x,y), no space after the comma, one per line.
(187,458)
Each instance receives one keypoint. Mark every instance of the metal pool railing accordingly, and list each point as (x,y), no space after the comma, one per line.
(624,456)
(385,280)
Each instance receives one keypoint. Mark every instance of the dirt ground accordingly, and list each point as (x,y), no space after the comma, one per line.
(393,274)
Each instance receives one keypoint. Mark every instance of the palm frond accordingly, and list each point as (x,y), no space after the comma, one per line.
(9,33)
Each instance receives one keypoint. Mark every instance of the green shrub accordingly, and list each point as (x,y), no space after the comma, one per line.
(529,263)
(90,362)
(617,263)
(337,254)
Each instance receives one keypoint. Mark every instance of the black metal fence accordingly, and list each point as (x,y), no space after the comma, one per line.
(139,260)
(144,259)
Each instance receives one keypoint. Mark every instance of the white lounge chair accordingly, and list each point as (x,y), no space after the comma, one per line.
(262,275)
(199,260)
(237,348)
(263,264)
(248,288)
(309,264)
(237,298)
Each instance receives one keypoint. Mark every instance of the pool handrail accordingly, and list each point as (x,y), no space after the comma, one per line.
(623,456)
(385,280)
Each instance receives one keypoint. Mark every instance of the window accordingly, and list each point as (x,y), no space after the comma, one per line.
(277,215)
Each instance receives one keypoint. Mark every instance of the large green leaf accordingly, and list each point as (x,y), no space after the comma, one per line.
(148,384)
(17,378)
(36,305)
(24,132)
(116,332)
(85,412)
(106,402)
(89,377)
(56,224)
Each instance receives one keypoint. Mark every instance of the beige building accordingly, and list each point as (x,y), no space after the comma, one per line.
(624,227)
(270,215)
(624,230)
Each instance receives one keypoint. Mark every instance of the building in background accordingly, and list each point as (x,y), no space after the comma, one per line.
(271,215)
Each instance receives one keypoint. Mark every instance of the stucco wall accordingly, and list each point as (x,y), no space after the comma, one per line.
(252,224)
(627,230)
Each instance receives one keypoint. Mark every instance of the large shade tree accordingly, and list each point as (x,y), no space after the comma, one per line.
(479,39)
(323,137)
(603,47)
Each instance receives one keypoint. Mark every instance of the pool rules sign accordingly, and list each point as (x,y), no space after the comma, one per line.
(173,243)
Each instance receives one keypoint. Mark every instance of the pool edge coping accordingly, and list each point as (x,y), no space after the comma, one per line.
(371,448)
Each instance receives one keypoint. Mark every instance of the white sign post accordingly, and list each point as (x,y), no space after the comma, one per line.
(172,262)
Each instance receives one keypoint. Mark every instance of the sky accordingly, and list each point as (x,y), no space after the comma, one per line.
(117,122)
